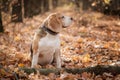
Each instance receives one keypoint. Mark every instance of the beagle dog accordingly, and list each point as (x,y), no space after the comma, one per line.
(45,47)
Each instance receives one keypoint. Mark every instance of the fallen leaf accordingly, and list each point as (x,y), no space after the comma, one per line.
(21,65)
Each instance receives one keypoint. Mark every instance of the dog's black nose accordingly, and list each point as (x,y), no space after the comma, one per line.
(71,18)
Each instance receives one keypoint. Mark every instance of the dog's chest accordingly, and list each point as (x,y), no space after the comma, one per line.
(49,43)
(47,48)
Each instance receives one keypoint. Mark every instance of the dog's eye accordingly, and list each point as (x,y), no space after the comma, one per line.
(63,17)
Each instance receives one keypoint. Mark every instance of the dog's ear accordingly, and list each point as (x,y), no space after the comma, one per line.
(54,22)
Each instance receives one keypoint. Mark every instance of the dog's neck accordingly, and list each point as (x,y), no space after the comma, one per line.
(49,30)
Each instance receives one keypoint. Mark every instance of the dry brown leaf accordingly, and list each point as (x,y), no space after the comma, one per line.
(21,65)
(86,58)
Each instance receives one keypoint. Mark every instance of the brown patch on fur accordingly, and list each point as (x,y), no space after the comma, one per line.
(55,22)
(38,35)
(41,55)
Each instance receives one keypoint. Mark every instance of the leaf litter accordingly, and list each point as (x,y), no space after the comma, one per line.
(93,39)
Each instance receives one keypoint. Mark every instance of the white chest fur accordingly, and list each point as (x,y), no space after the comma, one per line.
(47,48)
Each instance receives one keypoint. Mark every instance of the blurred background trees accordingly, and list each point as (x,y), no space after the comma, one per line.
(17,10)
(1,25)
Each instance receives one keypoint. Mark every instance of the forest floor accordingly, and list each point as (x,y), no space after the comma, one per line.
(93,39)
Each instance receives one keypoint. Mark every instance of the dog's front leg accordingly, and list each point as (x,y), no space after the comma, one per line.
(58,58)
(34,60)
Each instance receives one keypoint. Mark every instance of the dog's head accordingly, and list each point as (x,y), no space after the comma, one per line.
(57,21)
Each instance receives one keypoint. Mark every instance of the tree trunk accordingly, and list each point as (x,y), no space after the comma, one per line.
(55,3)
(86,5)
(46,5)
(22,3)
(17,11)
(50,4)
(77,3)
(42,6)
(98,70)
(1,25)
(5,4)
